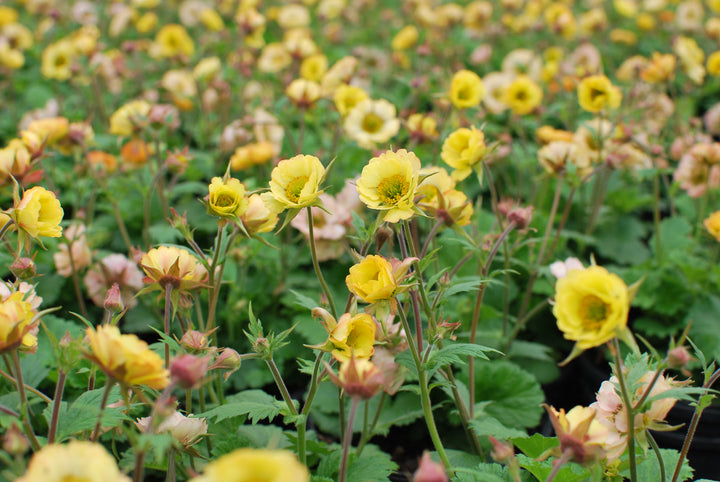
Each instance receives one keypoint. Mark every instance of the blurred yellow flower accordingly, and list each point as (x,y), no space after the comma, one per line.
(211,20)
(171,265)
(226,198)
(314,67)
(173,40)
(464,150)
(713,64)
(303,93)
(250,465)
(712,224)
(466,89)
(522,95)
(406,38)
(580,433)
(57,59)
(591,306)
(596,93)
(660,68)
(388,183)
(371,122)
(348,96)
(78,460)
(126,358)
(39,213)
(295,182)
(129,117)
(16,322)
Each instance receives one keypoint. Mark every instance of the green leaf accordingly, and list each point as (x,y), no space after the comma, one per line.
(570,472)
(485,425)
(514,394)
(373,464)
(536,445)
(624,241)
(456,354)
(300,299)
(403,409)
(649,469)
(674,235)
(256,404)
(485,472)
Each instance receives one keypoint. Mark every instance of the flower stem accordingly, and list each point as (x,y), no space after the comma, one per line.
(656,449)
(103,402)
(316,265)
(281,385)
(367,434)
(628,409)
(558,465)
(424,394)
(302,422)
(166,318)
(23,400)
(347,440)
(57,401)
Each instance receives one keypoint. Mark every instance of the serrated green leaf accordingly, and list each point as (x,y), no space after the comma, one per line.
(486,425)
(303,301)
(256,404)
(649,468)
(372,465)
(536,445)
(485,472)
(456,354)
(570,472)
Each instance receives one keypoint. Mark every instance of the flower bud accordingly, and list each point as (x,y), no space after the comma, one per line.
(189,370)
(14,441)
(678,357)
(229,360)
(502,452)
(23,268)
(429,471)
(521,216)
(194,341)
(113,300)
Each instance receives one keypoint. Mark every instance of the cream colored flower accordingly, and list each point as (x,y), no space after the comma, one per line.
(372,122)
(388,183)
(75,461)
(295,182)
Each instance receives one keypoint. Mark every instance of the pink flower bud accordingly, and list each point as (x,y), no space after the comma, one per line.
(113,300)
(23,268)
(195,341)
(228,360)
(502,452)
(678,357)
(14,441)
(189,370)
(429,471)
(521,216)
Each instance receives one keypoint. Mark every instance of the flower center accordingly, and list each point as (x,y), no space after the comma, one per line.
(392,189)
(372,123)
(521,95)
(463,93)
(593,311)
(595,94)
(224,200)
(61,61)
(295,187)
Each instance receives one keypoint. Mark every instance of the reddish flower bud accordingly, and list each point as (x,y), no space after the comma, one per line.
(678,357)
(521,216)
(113,299)
(14,441)
(429,471)
(194,341)
(23,268)
(189,370)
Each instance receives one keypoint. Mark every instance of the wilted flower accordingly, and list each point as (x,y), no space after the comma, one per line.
(248,464)
(76,460)
(699,169)
(259,217)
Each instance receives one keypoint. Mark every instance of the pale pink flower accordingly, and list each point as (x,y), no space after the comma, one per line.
(559,269)
(77,247)
(699,170)
(186,430)
(115,268)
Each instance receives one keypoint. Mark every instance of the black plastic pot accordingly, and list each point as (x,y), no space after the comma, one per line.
(704,454)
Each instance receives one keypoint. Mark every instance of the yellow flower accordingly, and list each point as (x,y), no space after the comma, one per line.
(466,89)
(713,64)
(353,335)
(406,38)
(295,182)
(580,433)
(712,224)
(170,265)
(388,183)
(57,58)
(146,22)
(522,95)
(207,69)
(39,213)
(303,93)
(258,217)
(129,117)
(227,198)
(422,127)
(346,97)
(691,58)
(250,465)
(591,306)
(50,130)
(173,40)
(376,279)
(126,358)
(7,16)
(371,122)
(596,93)
(359,378)
(16,322)
(211,20)
(314,67)
(660,68)
(464,150)
(78,460)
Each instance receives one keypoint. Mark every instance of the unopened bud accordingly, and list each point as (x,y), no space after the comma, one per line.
(502,452)
(23,268)
(65,340)
(521,217)
(195,341)
(113,300)
(382,235)
(229,360)
(14,441)
(678,357)
(189,370)
(429,471)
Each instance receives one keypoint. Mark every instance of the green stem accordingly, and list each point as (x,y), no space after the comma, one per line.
(425,394)
(559,464)
(316,265)
(656,218)
(368,433)
(281,385)
(57,402)
(629,411)
(166,319)
(23,401)
(210,321)
(302,422)
(656,449)
(347,440)
(103,402)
